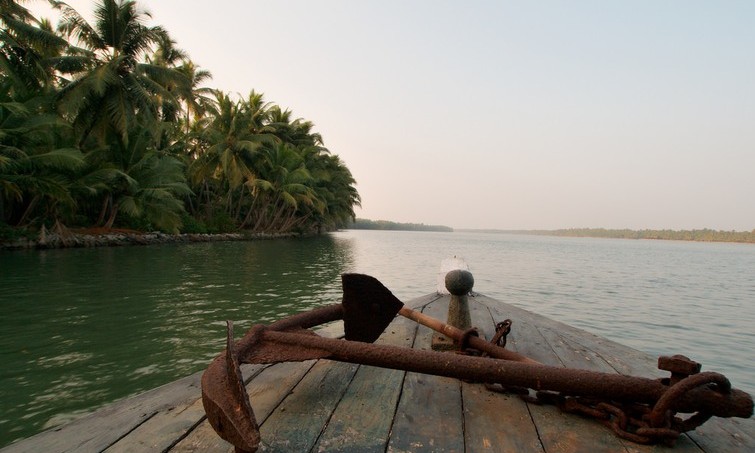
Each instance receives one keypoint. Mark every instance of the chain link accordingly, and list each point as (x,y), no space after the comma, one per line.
(639,423)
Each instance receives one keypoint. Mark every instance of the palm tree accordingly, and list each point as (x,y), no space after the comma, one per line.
(344,195)
(195,98)
(36,160)
(334,186)
(116,93)
(135,179)
(228,148)
(286,189)
(296,132)
(33,171)
(29,52)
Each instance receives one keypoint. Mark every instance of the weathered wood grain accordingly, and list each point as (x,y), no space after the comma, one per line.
(493,421)
(266,390)
(103,428)
(429,416)
(364,415)
(296,424)
(329,406)
(568,344)
(420,302)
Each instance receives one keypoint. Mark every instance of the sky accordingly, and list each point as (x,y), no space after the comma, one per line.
(504,114)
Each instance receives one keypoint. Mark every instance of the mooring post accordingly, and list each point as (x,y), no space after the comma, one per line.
(459,283)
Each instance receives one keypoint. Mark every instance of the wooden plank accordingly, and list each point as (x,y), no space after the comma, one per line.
(167,427)
(625,360)
(493,421)
(297,422)
(363,418)
(101,429)
(573,354)
(429,414)
(530,342)
(266,390)
(568,343)
(162,431)
(558,432)
(715,435)
(331,330)
(420,302)
(729,435)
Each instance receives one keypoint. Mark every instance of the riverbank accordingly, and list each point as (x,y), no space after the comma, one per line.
(117,238)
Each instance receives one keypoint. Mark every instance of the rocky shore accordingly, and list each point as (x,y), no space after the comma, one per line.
(51,240)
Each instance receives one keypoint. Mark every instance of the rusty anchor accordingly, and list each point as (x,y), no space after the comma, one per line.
(367,309)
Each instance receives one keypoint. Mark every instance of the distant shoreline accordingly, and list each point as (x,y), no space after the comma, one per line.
(366,224)
(117,237)
(703,235)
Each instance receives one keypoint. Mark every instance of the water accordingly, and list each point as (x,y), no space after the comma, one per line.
(84,327)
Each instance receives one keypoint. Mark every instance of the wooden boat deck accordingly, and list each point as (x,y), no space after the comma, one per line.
(324,406)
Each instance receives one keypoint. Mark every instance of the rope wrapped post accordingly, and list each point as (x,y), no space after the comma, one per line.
(459,283)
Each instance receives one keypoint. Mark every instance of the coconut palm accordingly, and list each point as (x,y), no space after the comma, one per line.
(118,91)
(33,171)
(286,188)
(133,178)
(30,51)
(227,149)
(334,186)
(195,98)
(35,164)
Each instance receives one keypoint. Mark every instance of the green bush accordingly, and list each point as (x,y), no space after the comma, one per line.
(220,222)
(11,234)
(192,225)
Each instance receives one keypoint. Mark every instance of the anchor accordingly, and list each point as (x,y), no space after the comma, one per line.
(366,310)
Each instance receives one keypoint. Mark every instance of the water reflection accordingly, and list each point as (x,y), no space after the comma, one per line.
(85,327)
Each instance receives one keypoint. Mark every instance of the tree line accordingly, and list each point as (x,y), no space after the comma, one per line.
(704,235)
(107,124)
(366,224)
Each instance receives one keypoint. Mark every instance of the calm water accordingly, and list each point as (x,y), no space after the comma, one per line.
(84,327)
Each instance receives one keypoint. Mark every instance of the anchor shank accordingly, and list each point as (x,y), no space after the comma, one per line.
(537,377)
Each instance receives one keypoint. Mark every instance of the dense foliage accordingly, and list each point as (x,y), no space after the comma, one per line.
(365,224)
(107,125)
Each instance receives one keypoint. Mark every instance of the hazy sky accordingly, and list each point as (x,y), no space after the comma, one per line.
(506,114)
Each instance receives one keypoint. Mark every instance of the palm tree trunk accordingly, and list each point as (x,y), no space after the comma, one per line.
(239,206)
(248,218)
(103,210)
(262,216)
(229,206)
(190,203)
(111,219)
(29,209)
(291,221)
(275,222)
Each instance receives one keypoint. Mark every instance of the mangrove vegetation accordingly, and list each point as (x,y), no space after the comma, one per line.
(110,125)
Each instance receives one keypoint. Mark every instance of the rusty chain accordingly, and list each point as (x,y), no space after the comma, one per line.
(635,422)
(639,409)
